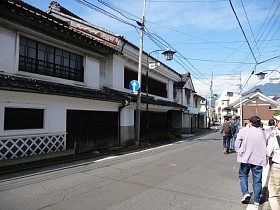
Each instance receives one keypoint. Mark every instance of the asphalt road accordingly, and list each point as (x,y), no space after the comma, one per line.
(189,174)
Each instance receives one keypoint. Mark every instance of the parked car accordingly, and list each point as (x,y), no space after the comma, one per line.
(216,122)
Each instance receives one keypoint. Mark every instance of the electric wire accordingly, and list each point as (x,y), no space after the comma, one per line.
(98,9)
(169,46)
(249,25)
(180,59)
(120,11)
(243,31)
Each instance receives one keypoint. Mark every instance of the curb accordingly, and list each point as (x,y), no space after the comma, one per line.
(93,154)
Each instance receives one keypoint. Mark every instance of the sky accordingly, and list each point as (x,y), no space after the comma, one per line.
(222,43)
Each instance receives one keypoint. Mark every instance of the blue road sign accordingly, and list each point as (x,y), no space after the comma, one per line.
(134,85)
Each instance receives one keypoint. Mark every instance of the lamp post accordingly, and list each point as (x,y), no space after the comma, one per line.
(168,54)
(261,75)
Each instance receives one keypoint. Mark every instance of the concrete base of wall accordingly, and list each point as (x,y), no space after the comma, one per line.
(127,136)
(35,158)
(186,130)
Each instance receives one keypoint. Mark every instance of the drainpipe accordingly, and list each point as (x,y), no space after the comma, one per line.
(125,103)
(124,43)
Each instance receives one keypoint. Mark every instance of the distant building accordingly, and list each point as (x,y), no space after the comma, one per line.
(253,103)
(223,101)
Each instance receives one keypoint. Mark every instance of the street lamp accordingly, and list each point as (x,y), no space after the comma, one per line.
(261,75)
(168,54)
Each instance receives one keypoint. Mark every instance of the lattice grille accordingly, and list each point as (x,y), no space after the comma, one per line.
(27,146)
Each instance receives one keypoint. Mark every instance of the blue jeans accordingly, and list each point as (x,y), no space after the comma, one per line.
(232,141)
(244,170)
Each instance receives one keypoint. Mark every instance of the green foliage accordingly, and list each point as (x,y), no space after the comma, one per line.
(277,113)
(165,137)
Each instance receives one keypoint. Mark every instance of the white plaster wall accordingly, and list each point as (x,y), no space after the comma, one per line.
(127,116)
(114,76)
(55,109)
(170,91)
(92,69)
(118,73)
(7,52)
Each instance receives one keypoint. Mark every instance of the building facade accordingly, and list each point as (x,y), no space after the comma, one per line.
(253,103)
(65,86)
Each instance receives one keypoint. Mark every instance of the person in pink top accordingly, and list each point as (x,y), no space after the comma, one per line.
(250,146)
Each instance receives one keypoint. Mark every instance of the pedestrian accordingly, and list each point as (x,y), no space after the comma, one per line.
(226,133)
(273,151)
(271,127)
(234,131)
(250,146)
(246,123)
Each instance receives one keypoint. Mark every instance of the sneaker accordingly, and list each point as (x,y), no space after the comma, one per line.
(256,203)
(225,151)
(246,198)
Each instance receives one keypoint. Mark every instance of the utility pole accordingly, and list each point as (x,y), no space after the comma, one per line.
(138,111)
(211,96)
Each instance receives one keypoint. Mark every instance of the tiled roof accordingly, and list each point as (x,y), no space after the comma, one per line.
(21,13)
(24,84)
(151,99)
(55,5)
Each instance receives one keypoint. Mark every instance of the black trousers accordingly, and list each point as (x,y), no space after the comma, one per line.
(226,141)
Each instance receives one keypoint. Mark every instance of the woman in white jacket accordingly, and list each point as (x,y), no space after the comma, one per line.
(273,150)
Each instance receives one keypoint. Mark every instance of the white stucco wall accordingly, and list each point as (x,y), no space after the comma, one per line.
(127,116)
(92,69)
(55,109)
(114,75)
(170,91)
(8,49)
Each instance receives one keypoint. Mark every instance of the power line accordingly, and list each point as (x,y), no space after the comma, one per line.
(242,31)
(249,24)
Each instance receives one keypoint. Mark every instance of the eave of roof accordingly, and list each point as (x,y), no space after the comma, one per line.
(150,99)
(24,84)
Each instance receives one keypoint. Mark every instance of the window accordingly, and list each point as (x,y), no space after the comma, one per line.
(196,103)
(40,58)
(23,118)
(230,94)
(155,87)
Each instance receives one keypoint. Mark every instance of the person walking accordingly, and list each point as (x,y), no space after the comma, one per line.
(273,151)
(226,133)
(234,131)
(250,146)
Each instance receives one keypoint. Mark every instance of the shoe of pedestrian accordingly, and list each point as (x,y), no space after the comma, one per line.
(225,151)
(246,198)
(256,203)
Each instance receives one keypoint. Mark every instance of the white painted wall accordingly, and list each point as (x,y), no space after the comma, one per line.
(55,109)
(114,73)
(170,91)
(8,49)
(92,69)
(127,116)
